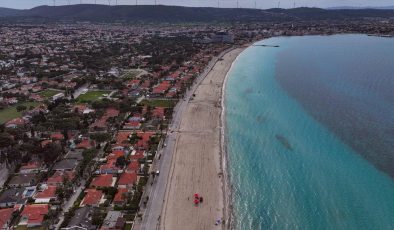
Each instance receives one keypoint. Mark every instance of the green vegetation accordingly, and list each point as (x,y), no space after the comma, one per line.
(48,93)
(127,226)
(91,96)
(11,112)
(160,103)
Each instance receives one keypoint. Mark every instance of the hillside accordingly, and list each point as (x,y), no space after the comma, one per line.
(173,14)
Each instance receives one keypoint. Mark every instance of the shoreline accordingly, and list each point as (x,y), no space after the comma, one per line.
(199,162)
(228,214)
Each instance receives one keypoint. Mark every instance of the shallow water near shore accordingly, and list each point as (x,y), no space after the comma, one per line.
(309,130)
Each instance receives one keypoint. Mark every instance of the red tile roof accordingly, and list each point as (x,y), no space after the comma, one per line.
(92,197)
(5,216)
(35,213)
(49,192)
(122,138)
(138,155)
(115,154)
(120,195)
(58,177)
(31,165)
(110,165)
(16,121)
(85,144)
(162,87)
(57,136)
(143,143)
(133,166)
(158,112)
(127,178)
(102,181)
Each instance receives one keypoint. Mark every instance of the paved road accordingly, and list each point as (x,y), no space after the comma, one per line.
(70,203)
(151,216)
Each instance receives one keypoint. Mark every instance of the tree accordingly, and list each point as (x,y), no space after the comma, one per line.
(5,140)
(121,162)
(20,108)
(51,152)
(100,137)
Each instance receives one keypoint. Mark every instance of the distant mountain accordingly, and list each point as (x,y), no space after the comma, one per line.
(4,12)
(364,7)
(177,14)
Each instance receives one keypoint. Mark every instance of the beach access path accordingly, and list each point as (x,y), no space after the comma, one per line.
(196,160)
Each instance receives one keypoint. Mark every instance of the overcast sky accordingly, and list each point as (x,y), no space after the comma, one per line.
(25,4)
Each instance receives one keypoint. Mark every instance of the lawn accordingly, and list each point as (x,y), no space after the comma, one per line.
(48,93)
(127,226)
(160,103)
(91,96)
(11,113)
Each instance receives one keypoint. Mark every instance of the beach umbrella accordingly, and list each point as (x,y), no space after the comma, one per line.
(196,195)
(196,201)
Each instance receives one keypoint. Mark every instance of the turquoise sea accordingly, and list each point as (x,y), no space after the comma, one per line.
(310,133)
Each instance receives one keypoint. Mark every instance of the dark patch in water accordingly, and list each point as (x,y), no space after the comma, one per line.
(260,119)
(284,142)
(248,91)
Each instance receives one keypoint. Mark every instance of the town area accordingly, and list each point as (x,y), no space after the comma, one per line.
(85,110)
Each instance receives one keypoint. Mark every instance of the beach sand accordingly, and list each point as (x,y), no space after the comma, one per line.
(196,163)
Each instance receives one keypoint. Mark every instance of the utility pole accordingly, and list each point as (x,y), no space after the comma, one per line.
(255,4)
(278,4)
(54,2)
(218,3)
(237,4)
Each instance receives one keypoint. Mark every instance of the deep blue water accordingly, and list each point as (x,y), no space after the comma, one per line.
(310,131)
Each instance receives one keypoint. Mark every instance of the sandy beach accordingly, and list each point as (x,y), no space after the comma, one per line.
(196,165)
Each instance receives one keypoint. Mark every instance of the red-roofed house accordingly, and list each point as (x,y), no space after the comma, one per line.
(139,154)
(33,215)
(143,143)
(6,218)
(59,177)
(86,144)
(134,125)
(57,136)
(31,166)
(15,123)
(127,180)
(121,196)
(110,167)
(134,166)
(47,195)
(161,88)
(102,181)
(92,197)
(122,140)
(116,154)
(158,113)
